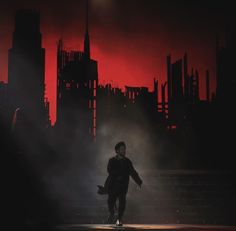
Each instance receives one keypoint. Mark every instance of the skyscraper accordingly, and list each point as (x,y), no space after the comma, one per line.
(175,90)
(77,83)
(26,70)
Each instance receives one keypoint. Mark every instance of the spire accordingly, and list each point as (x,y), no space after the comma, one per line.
(86,38)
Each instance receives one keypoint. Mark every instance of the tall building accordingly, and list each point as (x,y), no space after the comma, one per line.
(183,89)
(175,90)
(225,71)
(3,99)
(26,70)
(77,81)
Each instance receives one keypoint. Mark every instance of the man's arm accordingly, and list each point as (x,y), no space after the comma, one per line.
(135,175)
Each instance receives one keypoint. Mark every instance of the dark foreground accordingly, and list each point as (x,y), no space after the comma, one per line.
(179,227)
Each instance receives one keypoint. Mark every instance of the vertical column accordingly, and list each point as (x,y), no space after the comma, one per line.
(207,86)
(94,108)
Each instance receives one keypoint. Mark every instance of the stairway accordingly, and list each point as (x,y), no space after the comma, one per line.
(168,196)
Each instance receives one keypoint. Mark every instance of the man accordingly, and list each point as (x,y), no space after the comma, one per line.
(119,168)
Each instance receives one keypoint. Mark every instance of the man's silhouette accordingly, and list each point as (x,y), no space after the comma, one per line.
(119,168)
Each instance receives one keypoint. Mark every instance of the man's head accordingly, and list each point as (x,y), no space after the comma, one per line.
(120,148)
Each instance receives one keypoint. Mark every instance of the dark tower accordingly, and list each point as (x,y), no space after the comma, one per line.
(77,83)
(175,89)
(155,84)
(169,83)
(3,99)
(207,86)
(26,70)
(86,37)
(225,72)
(186,78)
(163,98)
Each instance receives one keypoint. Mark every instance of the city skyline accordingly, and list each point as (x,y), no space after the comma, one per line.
(84,106)
(153,66)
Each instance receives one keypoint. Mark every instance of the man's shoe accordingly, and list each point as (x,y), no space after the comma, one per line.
(119,223)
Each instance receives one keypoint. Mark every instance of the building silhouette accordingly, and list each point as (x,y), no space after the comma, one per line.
(77,81)
(182,91)
(142,101)
(3,99)
(175,91)
(111,103)
(224,100)
(26,70)
(134,104)
(225,71)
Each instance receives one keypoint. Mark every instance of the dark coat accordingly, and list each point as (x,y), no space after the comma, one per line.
(119,171)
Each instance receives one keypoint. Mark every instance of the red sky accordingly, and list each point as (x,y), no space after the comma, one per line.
(130,43)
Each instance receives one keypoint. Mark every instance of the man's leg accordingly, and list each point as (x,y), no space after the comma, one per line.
(122,204)
(111,204)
